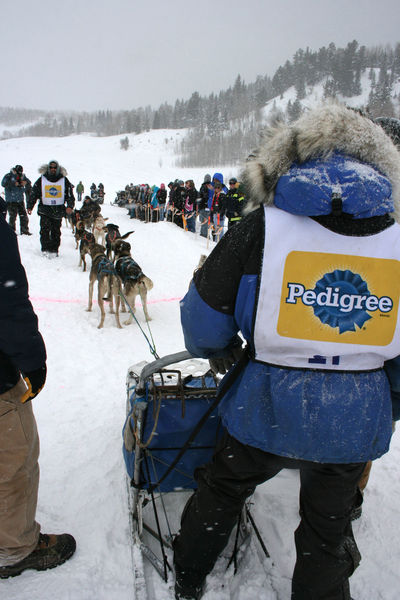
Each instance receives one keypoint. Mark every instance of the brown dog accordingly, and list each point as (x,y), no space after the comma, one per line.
(102,270)
(87,241)
(135,283)
(79,231)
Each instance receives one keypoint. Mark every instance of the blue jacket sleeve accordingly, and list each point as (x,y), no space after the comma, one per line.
(213,310)
(207,331)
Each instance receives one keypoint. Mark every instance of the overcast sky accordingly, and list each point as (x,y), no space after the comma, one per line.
(121,54)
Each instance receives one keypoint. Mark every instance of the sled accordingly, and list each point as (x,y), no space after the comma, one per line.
(165,401)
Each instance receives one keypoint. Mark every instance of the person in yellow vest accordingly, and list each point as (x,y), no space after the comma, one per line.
(56,198)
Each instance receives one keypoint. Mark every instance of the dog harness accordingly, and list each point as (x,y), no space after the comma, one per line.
(88,237)
(127,268)
(105,266)
(113,235)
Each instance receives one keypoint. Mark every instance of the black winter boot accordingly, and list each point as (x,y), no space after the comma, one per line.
(188,591)
(189,584)
(51,551)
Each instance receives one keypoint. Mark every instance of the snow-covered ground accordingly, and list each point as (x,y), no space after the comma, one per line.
(81,410)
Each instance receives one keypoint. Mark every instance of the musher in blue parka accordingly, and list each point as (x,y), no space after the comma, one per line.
(312,285)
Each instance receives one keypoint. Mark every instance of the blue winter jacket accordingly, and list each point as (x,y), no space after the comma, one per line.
(322,416)
(14,193)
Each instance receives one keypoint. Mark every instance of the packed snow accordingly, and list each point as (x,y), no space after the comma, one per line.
(81,411)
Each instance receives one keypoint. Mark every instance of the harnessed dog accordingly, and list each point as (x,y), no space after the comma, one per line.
(102,271)
(113,234)
(135,282)
(87,241)
(99,230)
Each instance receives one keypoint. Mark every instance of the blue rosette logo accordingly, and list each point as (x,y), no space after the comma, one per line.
(339,306)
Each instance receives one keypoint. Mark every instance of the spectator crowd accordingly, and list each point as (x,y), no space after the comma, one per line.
(213,207)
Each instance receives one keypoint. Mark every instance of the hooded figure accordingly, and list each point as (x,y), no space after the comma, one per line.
(55,194)
(312,283)
(218,177)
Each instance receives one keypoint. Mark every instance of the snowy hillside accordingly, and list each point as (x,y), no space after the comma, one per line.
(149,159)
(315,94)
(81,410)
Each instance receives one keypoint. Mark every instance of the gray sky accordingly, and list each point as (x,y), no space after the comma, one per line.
(121,54)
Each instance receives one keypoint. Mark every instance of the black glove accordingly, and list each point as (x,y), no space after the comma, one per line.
(222,365)
(35,381)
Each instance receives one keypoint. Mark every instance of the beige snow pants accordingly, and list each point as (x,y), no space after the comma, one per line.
(19,477)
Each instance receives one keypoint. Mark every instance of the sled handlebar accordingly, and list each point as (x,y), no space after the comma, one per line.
(160,363)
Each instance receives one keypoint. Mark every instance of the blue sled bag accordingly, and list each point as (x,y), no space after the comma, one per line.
(162,411)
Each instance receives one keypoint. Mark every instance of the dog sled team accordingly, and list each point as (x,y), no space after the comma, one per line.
(117,273)
(119,277)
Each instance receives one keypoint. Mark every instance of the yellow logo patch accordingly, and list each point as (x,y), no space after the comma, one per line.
(52,191)
(339,298)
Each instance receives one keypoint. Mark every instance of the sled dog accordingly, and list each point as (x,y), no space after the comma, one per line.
(87,241)
(113,234)
(133,279)
(102,270)
(99,230)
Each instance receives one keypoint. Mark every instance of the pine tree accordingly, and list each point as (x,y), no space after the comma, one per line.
(156,120)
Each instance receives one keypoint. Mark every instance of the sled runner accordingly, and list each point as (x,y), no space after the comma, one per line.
(166,399)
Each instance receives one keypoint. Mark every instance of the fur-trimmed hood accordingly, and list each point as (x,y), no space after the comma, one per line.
(61,171)
(319,135)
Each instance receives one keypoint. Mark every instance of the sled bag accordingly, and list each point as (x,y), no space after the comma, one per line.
(172,431)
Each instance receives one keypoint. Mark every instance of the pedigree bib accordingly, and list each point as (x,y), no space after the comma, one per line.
(327,300)
(53,193)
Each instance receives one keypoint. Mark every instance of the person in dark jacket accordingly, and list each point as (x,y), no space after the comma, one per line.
(189,205)
(309,274)
(56,198)
(162,199)
(178,201)
(204,204)
(218,211)
(234,202)
(80,189)
(89,210)
(16,185)
(22,377)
